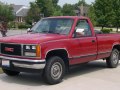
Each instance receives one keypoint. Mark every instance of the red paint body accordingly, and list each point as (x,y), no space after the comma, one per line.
(79,49)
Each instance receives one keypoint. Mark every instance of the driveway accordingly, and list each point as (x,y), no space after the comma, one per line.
(93,76)
(14,32)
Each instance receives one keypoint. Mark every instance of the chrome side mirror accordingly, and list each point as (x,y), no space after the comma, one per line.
(29,30)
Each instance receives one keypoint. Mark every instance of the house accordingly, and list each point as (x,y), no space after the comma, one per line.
(20,12)
(82,10)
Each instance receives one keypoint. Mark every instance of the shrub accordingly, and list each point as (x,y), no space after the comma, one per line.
(24,26)
(1,71)
(11,25)
(106,30)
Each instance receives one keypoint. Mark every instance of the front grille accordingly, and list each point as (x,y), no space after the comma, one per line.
(11,49)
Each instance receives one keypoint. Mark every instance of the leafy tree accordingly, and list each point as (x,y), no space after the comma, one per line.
(57,8)
(116,13)
(82,2)
(68,10)
(33,13)
(57,11)
(46,6)
(103,12)
(6,13)
(55,3)
(91,14)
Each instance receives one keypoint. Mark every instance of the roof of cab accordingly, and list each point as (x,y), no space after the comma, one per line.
(72,17)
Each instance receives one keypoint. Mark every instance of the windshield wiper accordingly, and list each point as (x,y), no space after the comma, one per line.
(34,32)
(56,33)
(44,32)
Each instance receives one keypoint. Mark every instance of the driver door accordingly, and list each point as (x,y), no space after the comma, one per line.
(85,42)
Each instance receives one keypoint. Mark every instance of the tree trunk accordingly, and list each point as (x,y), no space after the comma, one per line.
(102,27)
(117,29)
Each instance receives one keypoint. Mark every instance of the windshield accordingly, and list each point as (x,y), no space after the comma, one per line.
(54,26)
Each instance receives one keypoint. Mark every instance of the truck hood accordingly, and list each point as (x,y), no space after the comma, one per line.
(32,38)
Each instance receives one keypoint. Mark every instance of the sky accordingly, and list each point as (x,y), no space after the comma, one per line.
(26,2)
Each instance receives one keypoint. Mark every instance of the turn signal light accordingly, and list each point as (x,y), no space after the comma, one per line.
(38,51)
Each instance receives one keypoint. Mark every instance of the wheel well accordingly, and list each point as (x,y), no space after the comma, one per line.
(61,53)
(117,47)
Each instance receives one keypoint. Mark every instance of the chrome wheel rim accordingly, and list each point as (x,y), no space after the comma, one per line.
(115,57)
(56,70)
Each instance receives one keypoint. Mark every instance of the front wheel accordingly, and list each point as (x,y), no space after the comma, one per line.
(113,60)
(54,70)
(10,73)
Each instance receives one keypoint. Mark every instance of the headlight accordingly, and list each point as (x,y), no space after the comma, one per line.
(31,50)
(27,47)
(30,47)
(32,54)
(33,47)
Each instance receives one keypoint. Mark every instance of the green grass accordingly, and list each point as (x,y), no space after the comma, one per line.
(1,71)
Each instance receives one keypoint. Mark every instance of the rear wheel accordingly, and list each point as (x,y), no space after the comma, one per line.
(113,60)
(10,73)
(54,70)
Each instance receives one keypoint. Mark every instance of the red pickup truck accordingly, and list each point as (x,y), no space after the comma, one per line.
(56,43)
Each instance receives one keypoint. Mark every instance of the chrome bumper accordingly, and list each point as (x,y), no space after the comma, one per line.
(30,64)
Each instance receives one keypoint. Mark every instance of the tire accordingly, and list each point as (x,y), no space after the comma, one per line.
(113,60)
(54,70)
(10,73)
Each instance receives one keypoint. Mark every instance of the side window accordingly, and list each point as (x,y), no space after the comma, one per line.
(83,29)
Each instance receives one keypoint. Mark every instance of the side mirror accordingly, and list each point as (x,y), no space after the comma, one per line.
(78,30)
(79,33)
(29,30)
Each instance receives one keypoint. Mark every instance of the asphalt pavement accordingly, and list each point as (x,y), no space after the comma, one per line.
(14,32)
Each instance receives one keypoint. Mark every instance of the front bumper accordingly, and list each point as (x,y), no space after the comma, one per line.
(21,63)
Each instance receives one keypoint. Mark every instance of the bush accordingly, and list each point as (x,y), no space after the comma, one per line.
(106,30)
(11,25)
(24,26)
(1,71)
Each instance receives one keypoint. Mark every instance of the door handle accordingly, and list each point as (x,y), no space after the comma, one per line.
(93,41)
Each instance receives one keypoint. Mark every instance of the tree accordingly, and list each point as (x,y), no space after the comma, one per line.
(6,13)
(46,6)
(57,11)
(33,13)
(82,2)
(55,3)
(68,10)
(103,12)
(116,13)
(57,8)
(91,14)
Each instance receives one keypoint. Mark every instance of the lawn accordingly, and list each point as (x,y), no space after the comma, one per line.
(1,71)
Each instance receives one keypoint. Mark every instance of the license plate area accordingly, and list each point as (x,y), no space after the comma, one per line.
(5,63)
